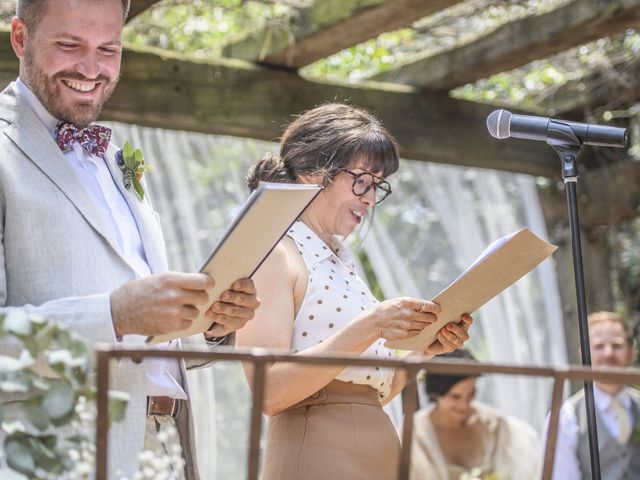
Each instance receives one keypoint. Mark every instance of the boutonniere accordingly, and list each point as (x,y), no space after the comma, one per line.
(478,474)
(636,435)
(131,163)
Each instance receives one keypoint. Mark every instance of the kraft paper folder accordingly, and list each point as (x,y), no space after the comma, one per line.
(501,264)
(263,220)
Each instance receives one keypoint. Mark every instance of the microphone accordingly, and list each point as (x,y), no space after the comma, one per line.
(503,124)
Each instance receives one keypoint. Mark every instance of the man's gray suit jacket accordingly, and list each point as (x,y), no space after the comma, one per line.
(58,260)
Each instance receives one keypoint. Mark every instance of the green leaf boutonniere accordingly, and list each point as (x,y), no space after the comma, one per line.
(636,435)
(131,163)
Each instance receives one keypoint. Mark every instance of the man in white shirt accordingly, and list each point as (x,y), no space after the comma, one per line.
(617,411)
(78,245)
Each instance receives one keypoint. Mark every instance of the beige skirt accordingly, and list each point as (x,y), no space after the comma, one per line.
(340,432)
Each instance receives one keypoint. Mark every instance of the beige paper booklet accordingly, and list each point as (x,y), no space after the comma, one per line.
(500,265)
(263,220)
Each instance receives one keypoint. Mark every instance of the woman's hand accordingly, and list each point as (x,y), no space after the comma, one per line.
(450,337)
(404,317)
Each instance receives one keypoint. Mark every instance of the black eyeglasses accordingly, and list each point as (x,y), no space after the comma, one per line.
(364,181)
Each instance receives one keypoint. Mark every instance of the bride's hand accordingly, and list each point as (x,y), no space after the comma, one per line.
(451,337)
(401,318)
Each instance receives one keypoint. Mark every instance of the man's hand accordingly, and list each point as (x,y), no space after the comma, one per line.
(159,304)
(234,309)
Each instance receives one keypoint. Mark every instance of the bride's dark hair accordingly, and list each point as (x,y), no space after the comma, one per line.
(325,139)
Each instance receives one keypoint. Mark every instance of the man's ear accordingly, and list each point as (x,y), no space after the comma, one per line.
(18,36)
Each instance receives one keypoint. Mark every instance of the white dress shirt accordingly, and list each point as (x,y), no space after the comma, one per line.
(566,464)
(163,377)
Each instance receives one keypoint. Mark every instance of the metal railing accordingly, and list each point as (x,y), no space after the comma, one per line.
(261,358)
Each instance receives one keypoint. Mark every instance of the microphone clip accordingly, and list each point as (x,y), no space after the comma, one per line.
(562,138)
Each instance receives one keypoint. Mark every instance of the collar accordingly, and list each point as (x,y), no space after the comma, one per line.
(32,101)
(603,400)
(306,238)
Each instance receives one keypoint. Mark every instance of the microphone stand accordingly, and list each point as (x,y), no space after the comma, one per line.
(567,145)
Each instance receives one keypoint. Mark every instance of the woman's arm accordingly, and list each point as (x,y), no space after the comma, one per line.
(281,283)
(448,339)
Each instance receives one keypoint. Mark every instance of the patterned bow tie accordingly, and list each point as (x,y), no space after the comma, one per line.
(94,138)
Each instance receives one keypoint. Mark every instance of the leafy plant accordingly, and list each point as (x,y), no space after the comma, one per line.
(52,432)
(131,163)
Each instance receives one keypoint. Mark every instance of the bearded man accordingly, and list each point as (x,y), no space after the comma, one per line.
(76,245)
(617,411)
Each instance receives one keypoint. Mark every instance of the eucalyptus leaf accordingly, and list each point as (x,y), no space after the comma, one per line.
(87,392)
(8,474)
(130,163)
(48,351)
(30,345)
(49,441)
(117,405)
(64,340)
(138,188)
(137,155)
(127,150)
(45,457)
(36,415)
(19,455)
(40,383)
(15,383)
(44,337)
(59,402)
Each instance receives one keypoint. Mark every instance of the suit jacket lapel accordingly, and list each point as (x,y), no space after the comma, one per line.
(32,137)
(146,219)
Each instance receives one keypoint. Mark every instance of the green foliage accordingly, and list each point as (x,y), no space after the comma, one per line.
(370,275)
(133,168)
(559,82)
(363,60)
(52,372)
(201,27)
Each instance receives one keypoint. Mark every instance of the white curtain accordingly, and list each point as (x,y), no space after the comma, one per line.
(437,221)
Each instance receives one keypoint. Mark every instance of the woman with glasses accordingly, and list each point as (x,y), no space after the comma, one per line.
(327,421)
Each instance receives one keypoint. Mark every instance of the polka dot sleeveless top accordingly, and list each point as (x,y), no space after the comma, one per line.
(335,295)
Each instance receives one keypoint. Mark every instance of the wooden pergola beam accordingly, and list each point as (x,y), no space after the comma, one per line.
(238,98)
(518,43)
(612,88)
(139,6)
(329,26)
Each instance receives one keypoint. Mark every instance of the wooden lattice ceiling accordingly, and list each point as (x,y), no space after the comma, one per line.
(254,91)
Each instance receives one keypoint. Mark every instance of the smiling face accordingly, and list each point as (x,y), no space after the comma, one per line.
(71,58)
(457,402)
(337,210)
(609,345)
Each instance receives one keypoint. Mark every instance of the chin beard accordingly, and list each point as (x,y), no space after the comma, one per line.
(46,89)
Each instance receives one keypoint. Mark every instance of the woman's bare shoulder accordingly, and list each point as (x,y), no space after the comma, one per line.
(284,260)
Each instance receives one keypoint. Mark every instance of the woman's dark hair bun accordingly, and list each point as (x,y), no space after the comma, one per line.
(270,168)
